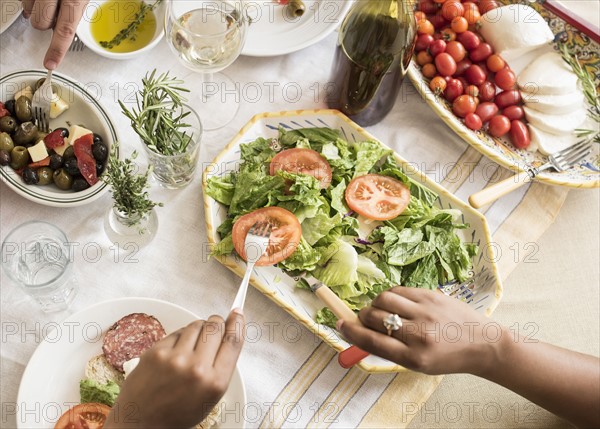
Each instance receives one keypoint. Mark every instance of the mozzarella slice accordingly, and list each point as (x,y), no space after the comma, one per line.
(554,104)
(38,151)
(514,30)
(549,143)
(75,132)
(556,124)
(548,75)
(57,106)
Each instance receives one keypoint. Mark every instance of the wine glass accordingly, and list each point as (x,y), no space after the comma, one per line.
(207,36)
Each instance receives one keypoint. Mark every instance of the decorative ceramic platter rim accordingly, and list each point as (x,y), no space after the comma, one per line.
(490,279)
(54,197)
(99,316)
(499,150)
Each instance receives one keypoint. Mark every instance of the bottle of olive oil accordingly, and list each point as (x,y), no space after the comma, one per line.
(374,49)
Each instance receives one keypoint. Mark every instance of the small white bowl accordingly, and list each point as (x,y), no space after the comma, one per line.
(84,31)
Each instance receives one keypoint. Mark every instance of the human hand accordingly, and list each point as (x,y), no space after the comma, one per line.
(439,334)
(62,16)
(179,380)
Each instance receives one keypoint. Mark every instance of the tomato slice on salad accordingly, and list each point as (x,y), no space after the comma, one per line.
(91,415)
(377,197)
(303,161)
(284,239)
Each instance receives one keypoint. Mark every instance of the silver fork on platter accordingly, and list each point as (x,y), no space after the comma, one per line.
(255,245)
(560,161)
(42,100)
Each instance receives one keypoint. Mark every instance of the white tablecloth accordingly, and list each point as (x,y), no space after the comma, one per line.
(280,354)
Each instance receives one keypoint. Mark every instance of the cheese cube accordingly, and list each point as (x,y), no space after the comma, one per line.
(75,132)
(57,106)
(38,151)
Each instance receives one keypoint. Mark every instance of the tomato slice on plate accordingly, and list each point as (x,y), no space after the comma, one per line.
(284,239)
(377,197)
(303,161)
(91,415)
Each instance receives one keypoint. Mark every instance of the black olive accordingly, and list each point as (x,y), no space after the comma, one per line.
(79,184)
(99,168)
(10,106)
(30,176)
(63,132)
(68,153)
(70,165)
(4,157)
(56,161)
(100,151)
(98,138)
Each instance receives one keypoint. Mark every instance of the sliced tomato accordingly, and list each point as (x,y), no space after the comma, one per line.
(55,139)
(284,239)
(303,161)
(91,415)
(85,159)
(377,197)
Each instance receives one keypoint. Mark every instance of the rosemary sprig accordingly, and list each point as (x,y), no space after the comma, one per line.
(157,117)
(128,188)
(589,91)
(128,32)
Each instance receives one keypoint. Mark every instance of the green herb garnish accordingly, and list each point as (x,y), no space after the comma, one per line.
(129,31)
(128,188)
(158,118)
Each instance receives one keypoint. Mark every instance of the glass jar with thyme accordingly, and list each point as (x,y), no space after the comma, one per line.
(170,130)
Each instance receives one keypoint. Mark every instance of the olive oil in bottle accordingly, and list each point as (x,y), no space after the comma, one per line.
(374,49)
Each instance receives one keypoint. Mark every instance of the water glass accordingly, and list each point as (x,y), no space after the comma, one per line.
(37,257)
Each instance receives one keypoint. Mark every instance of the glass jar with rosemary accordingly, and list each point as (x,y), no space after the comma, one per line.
(170,130)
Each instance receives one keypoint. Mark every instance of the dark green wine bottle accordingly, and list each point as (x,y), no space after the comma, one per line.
(375,46)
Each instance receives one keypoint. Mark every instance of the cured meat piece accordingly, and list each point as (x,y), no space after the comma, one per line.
(129,337)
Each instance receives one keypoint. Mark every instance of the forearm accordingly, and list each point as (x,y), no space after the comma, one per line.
(563,382)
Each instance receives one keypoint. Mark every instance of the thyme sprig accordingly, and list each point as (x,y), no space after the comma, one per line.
(158,117)
(129,31)
(128,188)
(589,91)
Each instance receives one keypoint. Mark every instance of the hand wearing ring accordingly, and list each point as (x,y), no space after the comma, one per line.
(393,322)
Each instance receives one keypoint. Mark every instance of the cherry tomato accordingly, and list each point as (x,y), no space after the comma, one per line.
(438,21)
(473,121)
(475,75)
(487,5)
(302,161)
(486,111)
(437,47)
(439,1)
(459,25)
(427,6)
(487,91)
(505,79)
(514,112)
(464,82)
(454,89)
(462,66)
(91,415)
(445,64)
(425,27)
(519,134)
(438,84)
(452,9)
(284,239)
(377,197)
(448,34)
(423,58)
(469,40)
(463,105)
(456,50)
(472,90)
(499,125)
(419,16)
(470,5)
(480,53)
(423,42)
(508,98)
(429,70)
(472,16)
(495,63)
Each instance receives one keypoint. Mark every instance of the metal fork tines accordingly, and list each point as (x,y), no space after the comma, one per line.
(41,103)
(570,156)
(76,45)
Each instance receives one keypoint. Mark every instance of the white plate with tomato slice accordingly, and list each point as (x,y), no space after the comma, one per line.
(50,383)
(281,288)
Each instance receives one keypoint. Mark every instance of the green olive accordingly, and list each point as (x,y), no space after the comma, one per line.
(23,109)
(25,134)
(6,142)
(62,179)
(40,136)
(39,83)
(8,124)
(46,176)
(68,153)
(19,157)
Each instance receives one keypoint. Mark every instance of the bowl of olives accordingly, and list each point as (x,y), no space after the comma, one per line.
(63,167)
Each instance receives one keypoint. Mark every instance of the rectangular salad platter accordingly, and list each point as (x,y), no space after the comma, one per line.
(282,288)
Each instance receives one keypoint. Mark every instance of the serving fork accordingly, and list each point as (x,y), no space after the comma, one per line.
(255,245)
(40,104)
(560,161)
(76,45)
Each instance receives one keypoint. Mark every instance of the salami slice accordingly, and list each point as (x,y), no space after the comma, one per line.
(129,337)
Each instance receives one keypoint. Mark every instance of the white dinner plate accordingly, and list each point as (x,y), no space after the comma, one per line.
(10,10)
(85,109)
(50,383)
(272,32)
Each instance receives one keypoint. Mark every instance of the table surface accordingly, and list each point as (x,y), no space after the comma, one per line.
(552,293)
